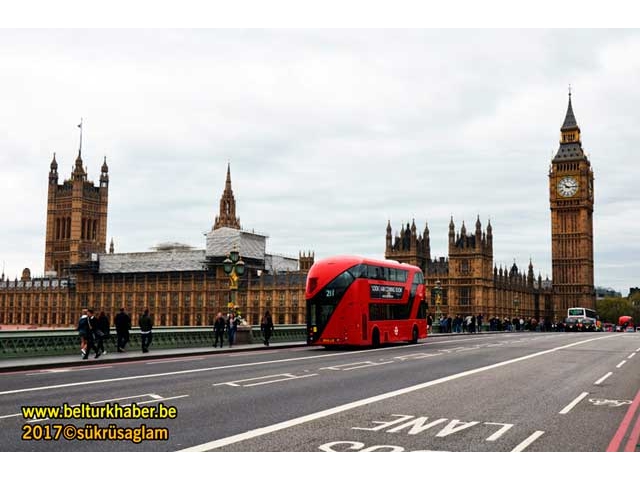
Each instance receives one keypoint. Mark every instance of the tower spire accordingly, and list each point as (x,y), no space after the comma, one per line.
(569,119)
(227,216)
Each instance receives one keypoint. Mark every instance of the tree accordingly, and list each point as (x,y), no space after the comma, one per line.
(635,299)
(610,309)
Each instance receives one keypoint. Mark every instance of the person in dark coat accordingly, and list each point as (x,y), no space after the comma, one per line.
(102,331)
(93,327)
(218,329)
(123,325)
(146,324)
(266,326)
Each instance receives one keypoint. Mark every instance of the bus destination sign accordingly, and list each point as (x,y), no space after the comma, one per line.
(386,291)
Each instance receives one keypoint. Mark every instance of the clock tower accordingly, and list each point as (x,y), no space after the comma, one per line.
(571,199)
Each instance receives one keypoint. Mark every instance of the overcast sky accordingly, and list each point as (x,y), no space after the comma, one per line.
(330,134)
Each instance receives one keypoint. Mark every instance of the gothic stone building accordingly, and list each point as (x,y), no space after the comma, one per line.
(472,283)
(180,285)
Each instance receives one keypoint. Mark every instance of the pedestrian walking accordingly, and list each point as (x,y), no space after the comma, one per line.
(91,342)
(123,325)
(266,326)
(218,329)
(83,331)
(146,324)
(102,331)
(232,327)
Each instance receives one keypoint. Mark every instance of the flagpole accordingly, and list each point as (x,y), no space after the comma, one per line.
(80,127)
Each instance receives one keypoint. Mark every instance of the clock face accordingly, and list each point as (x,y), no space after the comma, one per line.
(567,186)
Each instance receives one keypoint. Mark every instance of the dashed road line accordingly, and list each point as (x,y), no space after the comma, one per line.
(576,401)
(528,441)
(621,363)
(603,378)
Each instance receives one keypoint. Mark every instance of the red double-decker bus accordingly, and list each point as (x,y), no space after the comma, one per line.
(353,300)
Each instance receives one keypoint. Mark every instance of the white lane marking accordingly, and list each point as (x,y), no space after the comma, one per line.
(603,378)
(353,366)
(175,360)
(610,403)
(367,401)
(632,355)
(621,363)
(66,370)
(280,377)
(577,400)
(637,349)
(158,400)
(500,432)
(416,356)
(528,441)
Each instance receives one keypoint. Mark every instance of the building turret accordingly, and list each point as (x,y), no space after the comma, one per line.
(79,174)
(478,229)
(227,216)
(53,172)
(452,232)
(389,241)
(111,246)
(305,261)
(426,242)
(104,175)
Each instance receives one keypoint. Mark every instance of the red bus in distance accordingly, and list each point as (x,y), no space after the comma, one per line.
(353,300)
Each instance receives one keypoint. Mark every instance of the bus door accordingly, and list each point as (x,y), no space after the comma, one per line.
(364,317)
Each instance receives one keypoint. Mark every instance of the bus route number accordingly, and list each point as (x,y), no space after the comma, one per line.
(331,292)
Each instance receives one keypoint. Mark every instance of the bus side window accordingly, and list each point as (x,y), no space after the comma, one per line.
(371,273)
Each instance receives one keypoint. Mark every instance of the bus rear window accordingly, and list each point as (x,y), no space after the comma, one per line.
(576,311)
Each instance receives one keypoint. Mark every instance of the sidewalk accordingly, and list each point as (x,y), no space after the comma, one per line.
(61,361)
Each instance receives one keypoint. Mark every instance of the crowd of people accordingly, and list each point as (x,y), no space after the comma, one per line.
(229,324)
(476,323)
(95,331)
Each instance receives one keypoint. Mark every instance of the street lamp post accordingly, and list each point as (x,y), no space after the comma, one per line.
(438,293)
(234,268)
